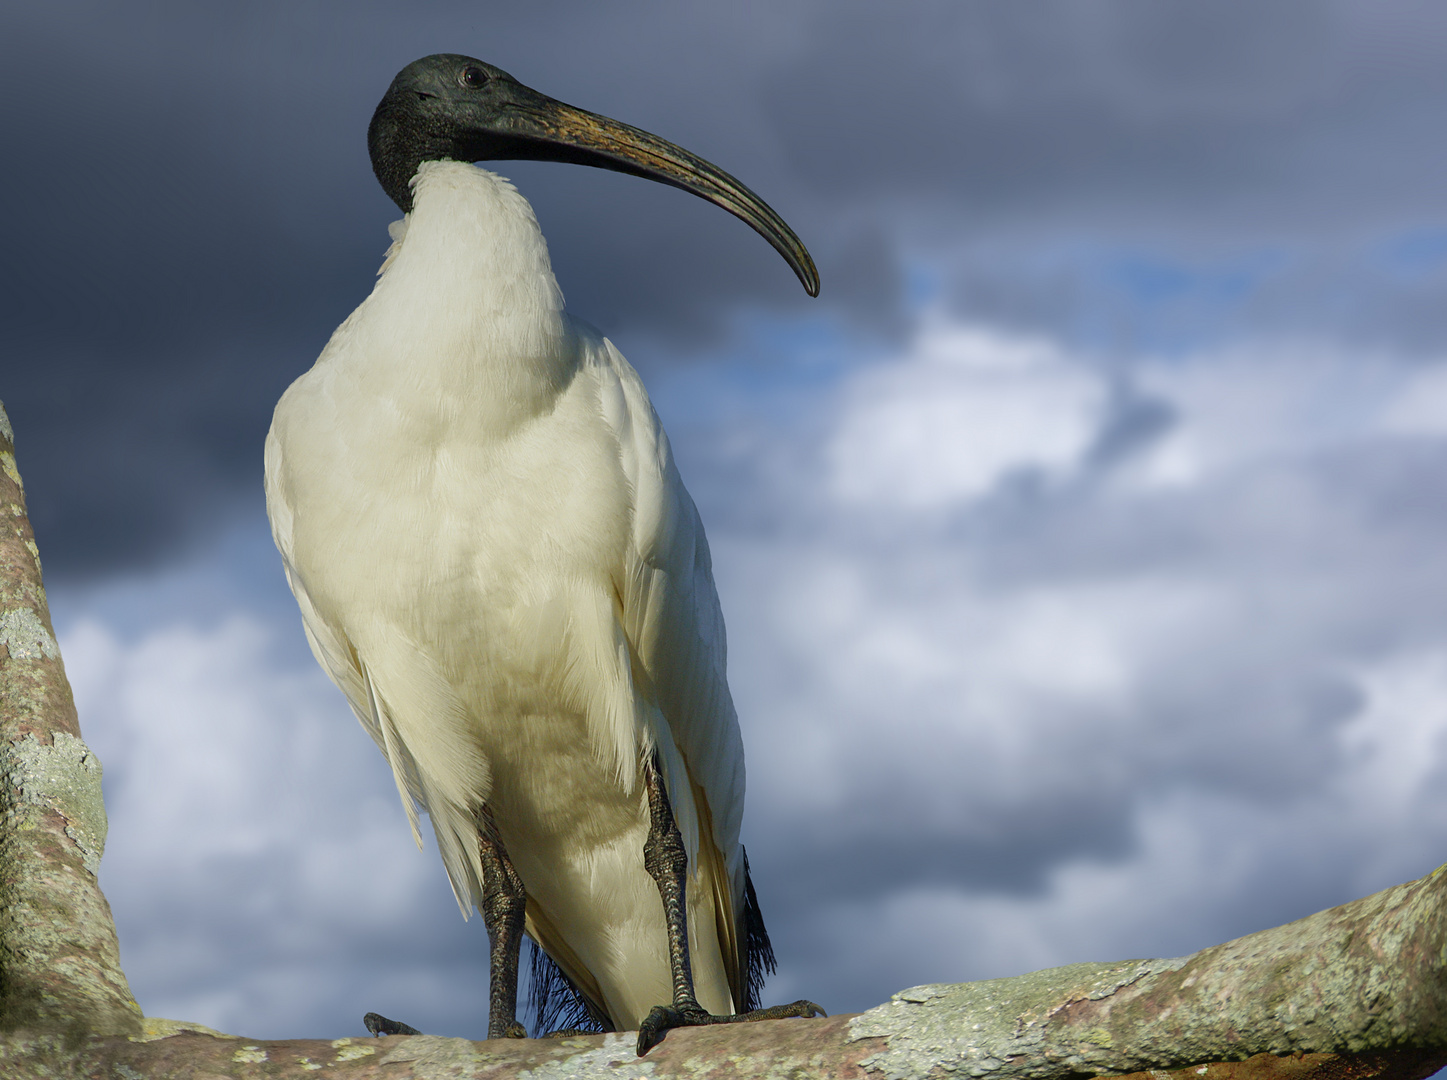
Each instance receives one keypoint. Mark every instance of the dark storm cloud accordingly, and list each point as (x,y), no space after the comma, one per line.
(1292,115)
(1141,175)
(192,210)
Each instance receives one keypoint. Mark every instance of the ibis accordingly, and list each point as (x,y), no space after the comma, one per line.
(497,563)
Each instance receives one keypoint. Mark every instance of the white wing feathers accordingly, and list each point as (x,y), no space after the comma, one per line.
(338,657)
(672,619)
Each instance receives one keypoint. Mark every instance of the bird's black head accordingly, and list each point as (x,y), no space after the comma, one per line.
(448,107)
(439,108)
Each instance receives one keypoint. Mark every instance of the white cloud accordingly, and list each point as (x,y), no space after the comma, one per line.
(1115,718)
(963,411)
(1396,741)
(1251,405)
(1421,406)
(261,872)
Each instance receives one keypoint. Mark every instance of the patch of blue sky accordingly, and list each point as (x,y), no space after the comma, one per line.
(768,361)
(924,284)
(1414,253)
(1170,307)
(766,366)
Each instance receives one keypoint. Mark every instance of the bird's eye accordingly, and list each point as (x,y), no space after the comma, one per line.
(473,77)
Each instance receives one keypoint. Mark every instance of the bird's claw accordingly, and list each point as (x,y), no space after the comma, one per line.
(663,1018)
(801,1009)
(378,1024)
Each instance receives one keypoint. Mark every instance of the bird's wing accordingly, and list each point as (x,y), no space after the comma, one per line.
(670,615)
(338,657)
(334,652)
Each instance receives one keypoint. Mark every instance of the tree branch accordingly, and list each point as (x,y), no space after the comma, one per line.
(1350,993)
(59,962)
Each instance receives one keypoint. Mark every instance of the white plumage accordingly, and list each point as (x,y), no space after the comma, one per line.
(497,563)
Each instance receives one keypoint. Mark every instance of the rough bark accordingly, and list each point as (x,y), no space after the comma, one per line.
(1354,992)
(59,963)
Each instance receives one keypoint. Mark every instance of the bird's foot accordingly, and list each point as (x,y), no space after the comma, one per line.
(664,1018)
(509,1029)
(378,1024)
(568,1033)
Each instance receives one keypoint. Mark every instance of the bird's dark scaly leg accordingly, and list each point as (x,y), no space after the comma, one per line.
(504,903)
(666,861)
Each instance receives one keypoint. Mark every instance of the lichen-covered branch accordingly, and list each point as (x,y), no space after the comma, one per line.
(59,962)
(1354,992)
(1361,981)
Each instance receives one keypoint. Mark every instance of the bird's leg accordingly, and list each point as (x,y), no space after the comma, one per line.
(504,903)
(666,861)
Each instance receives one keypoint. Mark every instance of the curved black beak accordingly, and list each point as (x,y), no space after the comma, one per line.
(561,132)
(466,110)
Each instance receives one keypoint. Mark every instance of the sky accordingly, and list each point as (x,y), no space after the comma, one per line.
(1080,545)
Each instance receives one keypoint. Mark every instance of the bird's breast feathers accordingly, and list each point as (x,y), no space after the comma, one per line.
(470,543)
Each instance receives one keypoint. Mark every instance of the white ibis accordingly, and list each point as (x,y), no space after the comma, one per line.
(497,563)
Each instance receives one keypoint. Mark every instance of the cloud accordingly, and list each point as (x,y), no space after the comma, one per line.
(1011,701)
(968,410)
(260,870)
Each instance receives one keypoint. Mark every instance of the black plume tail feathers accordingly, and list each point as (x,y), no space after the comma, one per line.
(556,1004)
(759,951)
